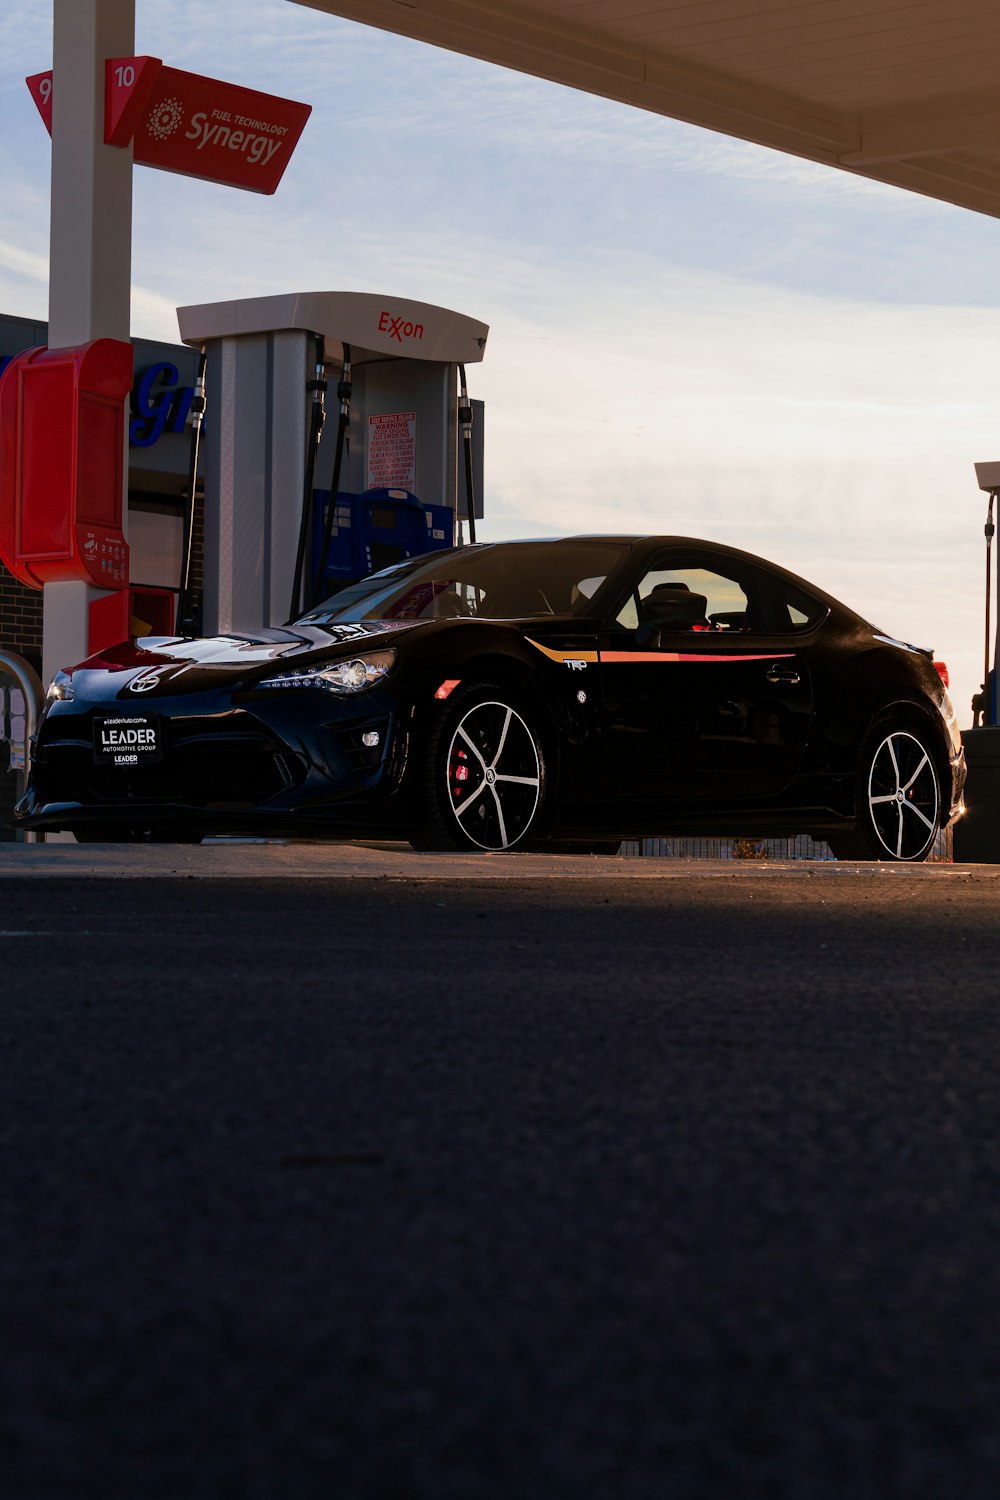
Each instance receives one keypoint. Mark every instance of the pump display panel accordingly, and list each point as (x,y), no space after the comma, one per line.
(517,695)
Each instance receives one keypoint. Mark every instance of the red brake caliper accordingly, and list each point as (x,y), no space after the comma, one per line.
(459,774)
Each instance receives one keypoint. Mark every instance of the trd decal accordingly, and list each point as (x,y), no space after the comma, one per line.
(575,660)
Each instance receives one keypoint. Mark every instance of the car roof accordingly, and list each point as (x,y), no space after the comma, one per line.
(653,541)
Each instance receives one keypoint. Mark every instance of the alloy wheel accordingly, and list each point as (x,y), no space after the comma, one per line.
(494,776)
(903,797)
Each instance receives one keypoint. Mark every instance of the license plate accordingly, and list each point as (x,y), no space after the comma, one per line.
(128,742)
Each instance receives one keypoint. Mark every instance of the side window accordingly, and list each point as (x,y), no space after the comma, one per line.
(690,597)
(794,609)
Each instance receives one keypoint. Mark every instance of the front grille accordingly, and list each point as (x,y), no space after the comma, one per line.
(201,767)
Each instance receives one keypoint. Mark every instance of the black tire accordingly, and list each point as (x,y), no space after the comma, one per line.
(482,781)
(898,807)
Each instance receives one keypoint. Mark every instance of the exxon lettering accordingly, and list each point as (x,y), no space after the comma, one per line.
(399,329)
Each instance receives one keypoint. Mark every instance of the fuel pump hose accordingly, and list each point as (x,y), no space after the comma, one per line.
(344,397)
(317,389)
(185,625)
(465,422)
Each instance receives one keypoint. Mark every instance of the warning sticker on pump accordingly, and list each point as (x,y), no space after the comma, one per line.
(127,741)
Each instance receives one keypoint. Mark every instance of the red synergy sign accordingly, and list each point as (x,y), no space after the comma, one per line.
(200,127)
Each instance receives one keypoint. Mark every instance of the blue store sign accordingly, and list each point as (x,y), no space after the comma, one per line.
(159,404)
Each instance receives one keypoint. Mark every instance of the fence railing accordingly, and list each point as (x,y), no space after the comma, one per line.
(799,847)
(20,710)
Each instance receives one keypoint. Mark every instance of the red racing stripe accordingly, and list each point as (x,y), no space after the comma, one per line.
(672,656)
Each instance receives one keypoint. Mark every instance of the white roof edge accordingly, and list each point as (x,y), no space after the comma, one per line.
(365,320)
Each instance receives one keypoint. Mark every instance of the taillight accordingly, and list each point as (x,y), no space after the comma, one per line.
(942,671)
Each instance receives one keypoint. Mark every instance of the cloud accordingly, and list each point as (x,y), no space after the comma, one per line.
(25,40)
(24,263)
(153,315)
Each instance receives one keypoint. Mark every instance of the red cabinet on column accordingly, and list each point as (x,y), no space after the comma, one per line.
(62,454)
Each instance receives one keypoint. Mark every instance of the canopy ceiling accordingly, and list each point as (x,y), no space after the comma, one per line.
(903,91)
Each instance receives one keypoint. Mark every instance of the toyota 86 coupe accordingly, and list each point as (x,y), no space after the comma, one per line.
(512,696)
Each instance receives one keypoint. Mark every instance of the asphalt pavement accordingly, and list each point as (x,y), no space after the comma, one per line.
(356,1173)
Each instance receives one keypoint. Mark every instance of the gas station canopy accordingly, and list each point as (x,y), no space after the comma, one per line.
(902,91)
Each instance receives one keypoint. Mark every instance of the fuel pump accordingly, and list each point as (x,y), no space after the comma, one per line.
(402,432)
(985,704)
(989,712)
(977,834)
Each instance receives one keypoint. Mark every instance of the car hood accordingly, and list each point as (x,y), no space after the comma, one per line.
(178,663)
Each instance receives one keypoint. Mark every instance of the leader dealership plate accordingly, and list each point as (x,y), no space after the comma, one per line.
(127,741)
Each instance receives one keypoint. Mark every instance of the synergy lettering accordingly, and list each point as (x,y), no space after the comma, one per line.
(209,130)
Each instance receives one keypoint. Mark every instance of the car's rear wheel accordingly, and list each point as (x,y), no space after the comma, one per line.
(483,774)
(898,798)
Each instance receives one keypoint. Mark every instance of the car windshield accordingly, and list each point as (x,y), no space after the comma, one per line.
(494,581)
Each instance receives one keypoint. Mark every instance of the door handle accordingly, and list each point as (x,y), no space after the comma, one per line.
(787,675)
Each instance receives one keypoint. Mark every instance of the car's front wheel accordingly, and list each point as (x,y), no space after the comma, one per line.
(483,774)
(898,799)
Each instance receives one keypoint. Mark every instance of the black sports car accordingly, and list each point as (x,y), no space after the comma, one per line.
(516,695)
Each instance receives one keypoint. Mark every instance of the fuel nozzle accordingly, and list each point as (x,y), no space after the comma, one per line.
(317,388)
(464,404)
(344,383)
(196,411)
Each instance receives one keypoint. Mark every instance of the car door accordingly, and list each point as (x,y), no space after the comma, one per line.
(706,702)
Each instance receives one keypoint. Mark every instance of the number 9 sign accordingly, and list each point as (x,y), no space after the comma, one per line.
(40,88)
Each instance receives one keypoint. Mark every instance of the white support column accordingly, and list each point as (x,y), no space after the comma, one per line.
(90,244)
(254,474)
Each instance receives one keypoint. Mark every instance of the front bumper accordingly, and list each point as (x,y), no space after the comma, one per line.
(259,765)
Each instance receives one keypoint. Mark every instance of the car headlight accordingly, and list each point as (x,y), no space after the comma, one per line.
(352,675)
(60,689)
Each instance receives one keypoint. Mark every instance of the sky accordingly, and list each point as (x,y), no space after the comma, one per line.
(688,334)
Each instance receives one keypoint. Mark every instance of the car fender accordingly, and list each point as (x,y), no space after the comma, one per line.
(488,652)
(875,684)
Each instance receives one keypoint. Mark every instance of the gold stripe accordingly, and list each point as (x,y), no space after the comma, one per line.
(562,656)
